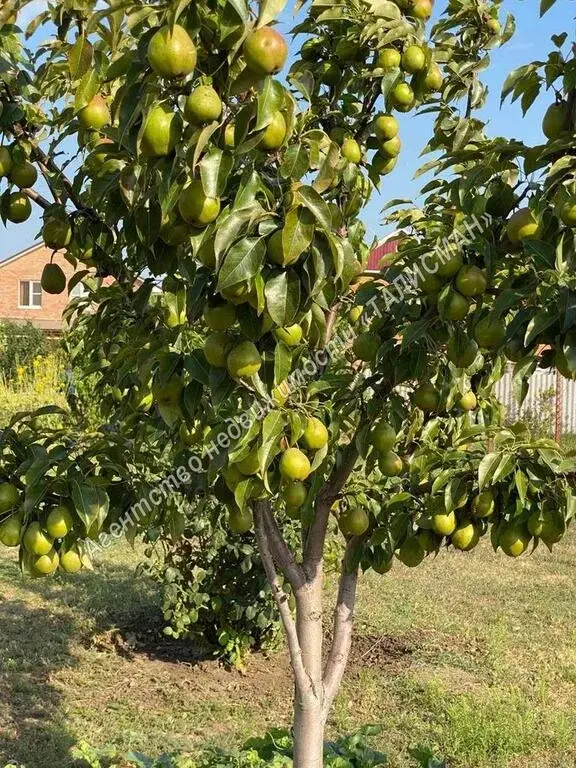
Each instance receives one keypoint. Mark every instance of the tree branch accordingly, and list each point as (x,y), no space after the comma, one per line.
(314,548)
(343,628)
(280,551)
(45,162)
(300,675)
(37,198)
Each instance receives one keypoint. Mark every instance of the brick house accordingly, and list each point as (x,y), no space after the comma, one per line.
(21,295)
(385,247)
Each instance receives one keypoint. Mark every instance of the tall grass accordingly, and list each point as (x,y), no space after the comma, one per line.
(32,387)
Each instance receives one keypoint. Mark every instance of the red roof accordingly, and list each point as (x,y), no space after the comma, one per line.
(381,250)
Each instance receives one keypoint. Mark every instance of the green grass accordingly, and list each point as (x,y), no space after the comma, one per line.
(471,655)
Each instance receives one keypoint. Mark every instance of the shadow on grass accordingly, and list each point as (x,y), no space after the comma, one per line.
(37,639)
(34,643)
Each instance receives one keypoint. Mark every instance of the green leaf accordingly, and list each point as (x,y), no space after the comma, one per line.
(283,297)
(87,88)
(80,58)
(297,233)
(269,10)
(506,465)
(487,468)
(310,198)
(270,99)
(237,223)
(545,6)
(282,362)
(91,504)
(521,482)
(242,262)
(215,169)
(202,142)
(148,222)
(295,163)
(272,429)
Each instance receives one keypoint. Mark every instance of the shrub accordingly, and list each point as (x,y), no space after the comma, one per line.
(20,344)
(215,588)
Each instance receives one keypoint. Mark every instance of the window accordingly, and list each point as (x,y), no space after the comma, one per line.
(30,294)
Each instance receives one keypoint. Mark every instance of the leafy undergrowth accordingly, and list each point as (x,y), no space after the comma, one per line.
(272,751)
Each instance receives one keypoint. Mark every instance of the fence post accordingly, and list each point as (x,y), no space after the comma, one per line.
(559,407)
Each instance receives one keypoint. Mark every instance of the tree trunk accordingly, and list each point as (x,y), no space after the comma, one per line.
(308,736)
(309,702)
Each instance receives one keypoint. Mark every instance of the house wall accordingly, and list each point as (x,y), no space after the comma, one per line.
(29,267)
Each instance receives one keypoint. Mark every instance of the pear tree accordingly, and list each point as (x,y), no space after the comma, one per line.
(181,149)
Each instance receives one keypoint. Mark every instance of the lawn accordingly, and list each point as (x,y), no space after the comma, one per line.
(471,655)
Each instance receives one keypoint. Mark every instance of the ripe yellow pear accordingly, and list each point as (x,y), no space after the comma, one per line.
(389,58)
(216,348)
(315,434)
(294,464)
(6,162)
(36,541)
(161,133)
(11,531)
(413,59)
(95,115)
(24,175)
(171,52)
(291,335)
(203,105)
(265,51)
(444,524)
(351,150)
(386,127)
(18,208)
(466,536)
(244,360)
(70,561)
(195,207)
(523,225)
(9,497)
(59,522)
(274,133)
(403,97)
(46,564)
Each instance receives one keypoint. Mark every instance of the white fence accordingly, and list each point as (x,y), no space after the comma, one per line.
(551,398)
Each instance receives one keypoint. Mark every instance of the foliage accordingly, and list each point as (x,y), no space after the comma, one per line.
(272,751)
(20,345)
(215,588)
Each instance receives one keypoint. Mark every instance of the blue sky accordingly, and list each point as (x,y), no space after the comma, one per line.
(532,41)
